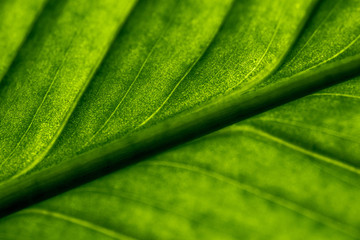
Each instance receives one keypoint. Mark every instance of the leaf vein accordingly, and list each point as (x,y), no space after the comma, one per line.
(41,104)
(258,192)
(314,33)
(336,95)
(135,79)
(306,126)
(77,221)
(302,150)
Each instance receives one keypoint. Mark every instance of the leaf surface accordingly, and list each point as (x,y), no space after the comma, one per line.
(49,75)
(17,17)
(243,181)
(144,91)
(289,173)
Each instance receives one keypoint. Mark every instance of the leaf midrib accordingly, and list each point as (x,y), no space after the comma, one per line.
(265,52)
(154,139)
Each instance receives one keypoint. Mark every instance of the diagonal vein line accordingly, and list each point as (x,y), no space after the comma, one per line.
(301,125)
(25,38)
(122,99)
(240,65)
(267,48)
(135,79)
(77,221)
(178,83)
(132,197)
(334,56)
(146,201)
(315,32)
(173,90)
(232,53)
(70,110)
(297,148)
(41,104)
(286,203)
(31,123)
(336,95)
(264,54)
(262,57)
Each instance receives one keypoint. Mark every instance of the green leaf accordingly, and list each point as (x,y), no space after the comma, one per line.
(291,172)
(157,48)
(241,182)
(185,78)
(49,75)
(17,17)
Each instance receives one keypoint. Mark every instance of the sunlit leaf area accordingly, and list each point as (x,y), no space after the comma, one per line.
(179,119)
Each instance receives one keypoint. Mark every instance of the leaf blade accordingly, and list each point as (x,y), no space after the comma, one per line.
(91,128)
(44,108)
(271,179)
(17,19)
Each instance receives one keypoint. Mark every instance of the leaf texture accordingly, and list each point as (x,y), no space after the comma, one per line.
(291,172)
(17,17)
(240,182)
(151,92)
(48,76)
